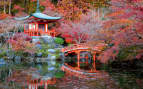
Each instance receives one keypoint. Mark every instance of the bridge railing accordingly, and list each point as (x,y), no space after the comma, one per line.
(98,47)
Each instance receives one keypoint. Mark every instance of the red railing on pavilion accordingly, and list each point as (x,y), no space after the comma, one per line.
(33,29)
(40,32)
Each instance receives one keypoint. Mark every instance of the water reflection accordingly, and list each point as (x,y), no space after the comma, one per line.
(35,84)
(128,79)
(30,75)
(43,76)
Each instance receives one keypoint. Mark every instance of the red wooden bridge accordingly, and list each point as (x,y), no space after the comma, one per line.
(75,47)
(78,49)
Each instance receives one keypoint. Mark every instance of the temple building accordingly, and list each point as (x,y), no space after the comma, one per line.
(40,23)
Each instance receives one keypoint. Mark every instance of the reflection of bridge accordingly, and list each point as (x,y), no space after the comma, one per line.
(81,74)
(79,49)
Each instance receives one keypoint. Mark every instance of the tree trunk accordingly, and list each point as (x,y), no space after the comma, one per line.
(98,11)
(25,4)
(9,7)
(29,6)
(4,7)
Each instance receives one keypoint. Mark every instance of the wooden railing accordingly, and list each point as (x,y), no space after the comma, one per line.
(98,47)
(40,32)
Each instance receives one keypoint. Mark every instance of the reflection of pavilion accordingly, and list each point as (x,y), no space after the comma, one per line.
(34,84)
(40,23)
(82,57)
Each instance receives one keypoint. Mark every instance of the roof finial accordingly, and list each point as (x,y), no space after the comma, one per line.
(37,9)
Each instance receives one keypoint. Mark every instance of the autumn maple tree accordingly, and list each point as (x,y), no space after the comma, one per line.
(20,42)
(125,21)
(72,9)
(82,31)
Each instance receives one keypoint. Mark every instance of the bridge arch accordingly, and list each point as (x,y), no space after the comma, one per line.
(83,55)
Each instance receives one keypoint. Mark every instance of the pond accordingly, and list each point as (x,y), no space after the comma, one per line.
(47,76)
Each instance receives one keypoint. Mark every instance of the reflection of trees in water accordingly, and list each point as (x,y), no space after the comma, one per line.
(127,79)
(102,81)
(4,73)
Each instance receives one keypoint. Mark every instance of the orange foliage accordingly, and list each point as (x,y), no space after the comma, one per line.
(3,16)
(72,9)
(115,13)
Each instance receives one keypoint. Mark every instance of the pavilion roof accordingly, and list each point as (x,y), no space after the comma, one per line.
(39,15)
(44,16)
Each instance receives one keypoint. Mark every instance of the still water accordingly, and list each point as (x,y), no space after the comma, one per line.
(46,76)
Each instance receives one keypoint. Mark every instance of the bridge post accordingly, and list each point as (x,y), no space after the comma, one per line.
(78,59)
(94,64)
(86,57)
(24,28)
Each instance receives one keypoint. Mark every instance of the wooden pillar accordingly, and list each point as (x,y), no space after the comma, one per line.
(34,29)
(24,28)
(78,59)
(46,28)
(37,29)
(86,57)
(94,64)
(45,85)
(54,32)
(29,30)
(37,83)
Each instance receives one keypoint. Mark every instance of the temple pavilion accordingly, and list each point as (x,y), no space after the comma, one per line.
(39,24)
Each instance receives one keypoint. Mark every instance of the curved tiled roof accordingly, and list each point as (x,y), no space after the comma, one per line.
(39,15)
(22,18)
(44,16)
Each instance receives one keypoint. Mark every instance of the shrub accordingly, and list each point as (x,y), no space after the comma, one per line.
(2,53)
(59,41)
(21,43)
